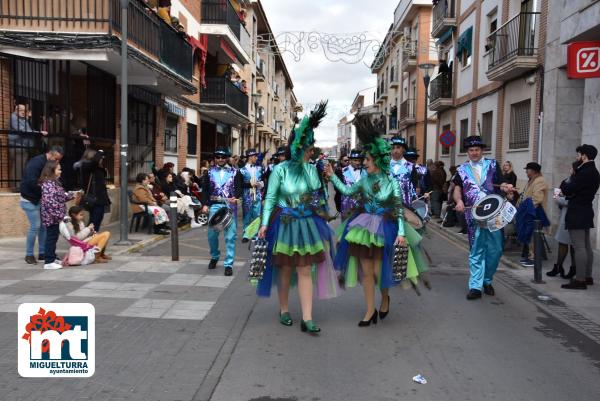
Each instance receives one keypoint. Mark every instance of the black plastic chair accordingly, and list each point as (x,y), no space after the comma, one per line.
(144,217)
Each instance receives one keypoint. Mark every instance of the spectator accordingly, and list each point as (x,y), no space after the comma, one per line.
(508,175)
(76,228)
(164,10)
(31,194)
(159,196)
(580,189)
(563,238)
(53,210)
(19,120)
(142,194)
(244,86)
(93,182)
(168,168)
(438,180)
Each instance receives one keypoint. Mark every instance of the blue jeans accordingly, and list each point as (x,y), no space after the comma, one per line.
(36,229)
(51,240)
(230,235)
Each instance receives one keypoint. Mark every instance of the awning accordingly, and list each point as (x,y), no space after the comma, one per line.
(447,35)
(465,43)
(230,53)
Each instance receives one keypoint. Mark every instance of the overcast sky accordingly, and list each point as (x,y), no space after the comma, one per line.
(314,76)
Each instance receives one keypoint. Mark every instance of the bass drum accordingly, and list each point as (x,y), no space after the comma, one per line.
(221,219)
(421,208)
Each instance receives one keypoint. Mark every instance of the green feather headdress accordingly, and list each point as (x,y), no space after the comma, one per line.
(304,135)
(372,142)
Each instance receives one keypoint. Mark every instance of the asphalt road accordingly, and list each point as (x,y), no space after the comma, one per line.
(498,348)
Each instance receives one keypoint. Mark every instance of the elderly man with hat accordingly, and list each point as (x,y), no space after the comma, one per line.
(253,186)
(351,174)
(222,187)
(580,189)
(474,180)
(403,170)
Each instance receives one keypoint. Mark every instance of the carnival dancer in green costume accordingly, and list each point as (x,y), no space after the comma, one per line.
(368,237)
(299,239)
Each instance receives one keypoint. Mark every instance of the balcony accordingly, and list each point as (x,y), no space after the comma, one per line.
(513,47)
(260,69)
(409,55)
(407,113)
(219,18)
(394,81)
(444,17)
(223,101)
(440,92)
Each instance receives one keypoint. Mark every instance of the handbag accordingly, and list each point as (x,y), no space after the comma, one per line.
(88,201)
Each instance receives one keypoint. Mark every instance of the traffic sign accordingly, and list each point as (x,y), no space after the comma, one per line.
(447,139)
(583,60)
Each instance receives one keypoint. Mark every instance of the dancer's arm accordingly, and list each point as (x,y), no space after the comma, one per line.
(272,194)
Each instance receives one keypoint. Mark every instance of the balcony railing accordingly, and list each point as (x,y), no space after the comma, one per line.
(145,29)
(440,87)
(409,53)
(221,12)
(220,90)
(407,109)
(444,15)
(515,38)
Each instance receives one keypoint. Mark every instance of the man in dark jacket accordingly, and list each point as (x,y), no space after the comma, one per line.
(580,189)
(31,193)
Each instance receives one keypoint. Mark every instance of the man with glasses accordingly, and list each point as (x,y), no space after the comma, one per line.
(222,187)
(404,171)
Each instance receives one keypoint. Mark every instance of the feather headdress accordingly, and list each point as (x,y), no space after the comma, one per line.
(304,136)
(370,137)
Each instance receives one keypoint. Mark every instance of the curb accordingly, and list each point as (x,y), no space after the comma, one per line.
(155,239)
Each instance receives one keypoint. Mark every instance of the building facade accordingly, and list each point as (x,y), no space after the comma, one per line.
(363,103)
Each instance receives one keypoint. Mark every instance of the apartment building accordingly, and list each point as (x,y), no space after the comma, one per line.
(489,78)
(401,92)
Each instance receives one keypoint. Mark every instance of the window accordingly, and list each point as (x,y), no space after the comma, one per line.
(412,142)
(492,21)
(192,131)
(519,124)
(487,122)
(464,132)
(171,135)
(446,150)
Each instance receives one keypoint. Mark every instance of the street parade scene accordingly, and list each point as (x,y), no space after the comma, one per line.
(266,200)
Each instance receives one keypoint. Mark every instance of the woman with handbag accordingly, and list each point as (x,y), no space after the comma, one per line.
(93,181)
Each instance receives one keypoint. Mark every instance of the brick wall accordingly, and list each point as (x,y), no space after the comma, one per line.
(6,108)
(182,141)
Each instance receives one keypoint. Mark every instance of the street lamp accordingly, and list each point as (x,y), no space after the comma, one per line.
(427,69)
(123,240)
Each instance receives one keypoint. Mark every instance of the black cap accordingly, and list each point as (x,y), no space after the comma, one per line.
(589,150)
(222,151)
(251,152)
(533,166)
(398,140)
(411,153)
(473,141)
(280,151)
(356,154)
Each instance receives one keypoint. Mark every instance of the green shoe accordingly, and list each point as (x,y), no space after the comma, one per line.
(310,326)
(285,319)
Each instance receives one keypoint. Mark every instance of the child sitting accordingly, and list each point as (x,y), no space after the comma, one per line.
(77,229)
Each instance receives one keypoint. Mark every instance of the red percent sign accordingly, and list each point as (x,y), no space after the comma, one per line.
(447,139)
(583,60)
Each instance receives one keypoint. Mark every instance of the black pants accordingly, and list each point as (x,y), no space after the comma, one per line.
(96,216)
(51,239)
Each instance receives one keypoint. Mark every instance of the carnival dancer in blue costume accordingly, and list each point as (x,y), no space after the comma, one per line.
(370,234)
(299,238)
(222,187)
(352,174)
(253,186)
(404,171)
(475,179)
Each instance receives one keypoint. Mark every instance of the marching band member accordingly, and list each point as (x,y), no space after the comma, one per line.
(222,187)
(352,174)
(253,185)
(422,172)
(404,171)
(299,239)
(371,233)
(475,179)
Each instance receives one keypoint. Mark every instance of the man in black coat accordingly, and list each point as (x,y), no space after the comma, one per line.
(580,189)
(31,194)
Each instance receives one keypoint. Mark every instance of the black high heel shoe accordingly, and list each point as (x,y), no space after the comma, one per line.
(556,271)
(373,319)
(383,314)
(571,273)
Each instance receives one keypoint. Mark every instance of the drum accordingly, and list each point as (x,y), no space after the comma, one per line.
(221,219)
(413,219)
(493,212)
(422,209)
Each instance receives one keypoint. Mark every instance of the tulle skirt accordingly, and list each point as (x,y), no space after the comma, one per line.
(372,236)
(300,240)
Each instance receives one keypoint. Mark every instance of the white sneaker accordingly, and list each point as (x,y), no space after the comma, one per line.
(53,266)
(195,225)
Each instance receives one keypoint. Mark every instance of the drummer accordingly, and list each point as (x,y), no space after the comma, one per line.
(352,174)
(404,171)
(222,187)
(475,179)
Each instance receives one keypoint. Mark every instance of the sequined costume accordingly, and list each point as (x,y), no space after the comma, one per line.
(406,174)
(351,176)
(252,197)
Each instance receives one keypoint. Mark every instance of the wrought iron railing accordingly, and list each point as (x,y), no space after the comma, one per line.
(440,87)
(410,51)
(407,109)
(221,12)
(441,10)
(220,90)
(517,37)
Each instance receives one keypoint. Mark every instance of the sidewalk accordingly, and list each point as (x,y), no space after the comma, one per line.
(568,302)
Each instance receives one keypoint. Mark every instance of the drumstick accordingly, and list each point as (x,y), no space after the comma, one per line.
(424,195)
